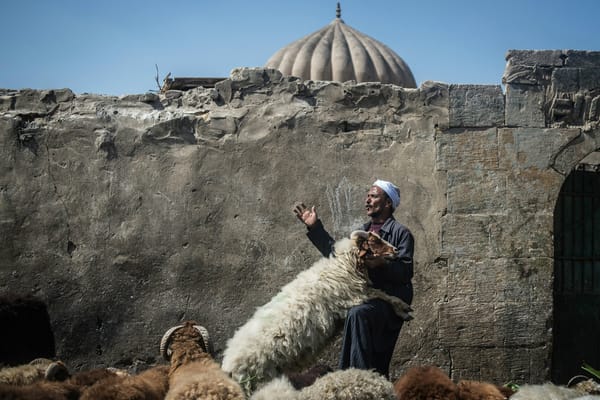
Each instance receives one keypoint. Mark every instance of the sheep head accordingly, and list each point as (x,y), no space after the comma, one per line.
(189,336)
(370,245)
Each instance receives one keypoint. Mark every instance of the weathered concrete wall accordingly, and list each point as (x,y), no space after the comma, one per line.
(130,214)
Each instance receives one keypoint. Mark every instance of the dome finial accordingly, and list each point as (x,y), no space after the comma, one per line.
(338,11)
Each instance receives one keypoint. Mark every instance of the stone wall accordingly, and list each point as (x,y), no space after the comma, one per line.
(130,214)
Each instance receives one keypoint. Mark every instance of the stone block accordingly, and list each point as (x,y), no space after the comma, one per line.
(527,75)
(548,58)
(482,364)
(466,236)
(505,324)
(532,190)
(476,191)
(531,67)
(582,59)
(524,106)
(589,79)
(518,234)
(7,102)
(247,77)
(333,92)
(521,148)
(476,149)
(149,98)
(571,155)
(37,102)
(174,131)
(476,106)
(500,280)
(565,80)
(481,236)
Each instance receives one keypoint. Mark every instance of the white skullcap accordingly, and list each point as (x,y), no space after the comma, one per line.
(391,190)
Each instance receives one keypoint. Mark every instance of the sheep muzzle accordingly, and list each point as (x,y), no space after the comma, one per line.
(370,244)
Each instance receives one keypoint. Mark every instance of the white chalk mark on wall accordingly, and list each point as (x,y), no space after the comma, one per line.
(340,203)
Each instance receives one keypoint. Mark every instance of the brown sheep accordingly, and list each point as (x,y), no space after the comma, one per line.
(431,383)
(425,383)
(36,370)
(193,373)
(151,384)
(475,390)
(306,378)
(40,390)
(69,389)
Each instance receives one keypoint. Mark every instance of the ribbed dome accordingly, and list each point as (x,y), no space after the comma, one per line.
(338,52)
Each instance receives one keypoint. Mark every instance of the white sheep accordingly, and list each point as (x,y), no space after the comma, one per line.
(546,391)
(348,384)
(193,373)
(290,330)
(278,389)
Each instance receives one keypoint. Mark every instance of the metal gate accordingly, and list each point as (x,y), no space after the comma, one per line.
(576,331)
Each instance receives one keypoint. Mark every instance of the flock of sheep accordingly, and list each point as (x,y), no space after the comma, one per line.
(285,334)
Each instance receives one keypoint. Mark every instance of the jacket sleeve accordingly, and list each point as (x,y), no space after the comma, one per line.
(321,239)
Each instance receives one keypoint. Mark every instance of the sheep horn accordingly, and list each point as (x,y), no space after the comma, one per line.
(165,352)
(359,234)
(206,342)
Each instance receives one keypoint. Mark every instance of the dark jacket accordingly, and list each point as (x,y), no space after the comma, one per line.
(393,278)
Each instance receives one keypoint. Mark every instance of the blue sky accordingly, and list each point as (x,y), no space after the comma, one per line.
(112,47)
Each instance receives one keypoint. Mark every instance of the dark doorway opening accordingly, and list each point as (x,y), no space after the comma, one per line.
(576,322)
(26,331)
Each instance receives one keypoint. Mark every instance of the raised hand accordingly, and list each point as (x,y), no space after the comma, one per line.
(306,215)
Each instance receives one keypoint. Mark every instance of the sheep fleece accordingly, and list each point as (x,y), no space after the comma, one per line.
(293,327)
(348,384)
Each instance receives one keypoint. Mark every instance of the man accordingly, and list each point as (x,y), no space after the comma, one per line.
(371,329)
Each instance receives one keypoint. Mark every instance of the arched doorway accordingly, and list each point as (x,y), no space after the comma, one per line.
(576,322)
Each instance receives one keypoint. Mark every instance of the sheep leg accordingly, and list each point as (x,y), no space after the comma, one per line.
(401,308)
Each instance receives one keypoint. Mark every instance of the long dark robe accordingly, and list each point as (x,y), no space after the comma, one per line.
(371,329)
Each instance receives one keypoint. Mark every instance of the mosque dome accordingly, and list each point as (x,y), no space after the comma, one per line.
(338,52)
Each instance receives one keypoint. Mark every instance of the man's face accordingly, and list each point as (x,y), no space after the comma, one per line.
(376,201)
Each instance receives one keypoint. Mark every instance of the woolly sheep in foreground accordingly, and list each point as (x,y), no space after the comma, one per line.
(476,390)
(193,373)
(348,384)
(40,390)
(151,384)
(426,382)
(546,391)
(69,389)
(430,382)
(278,389)
(36,370)
(290,330)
